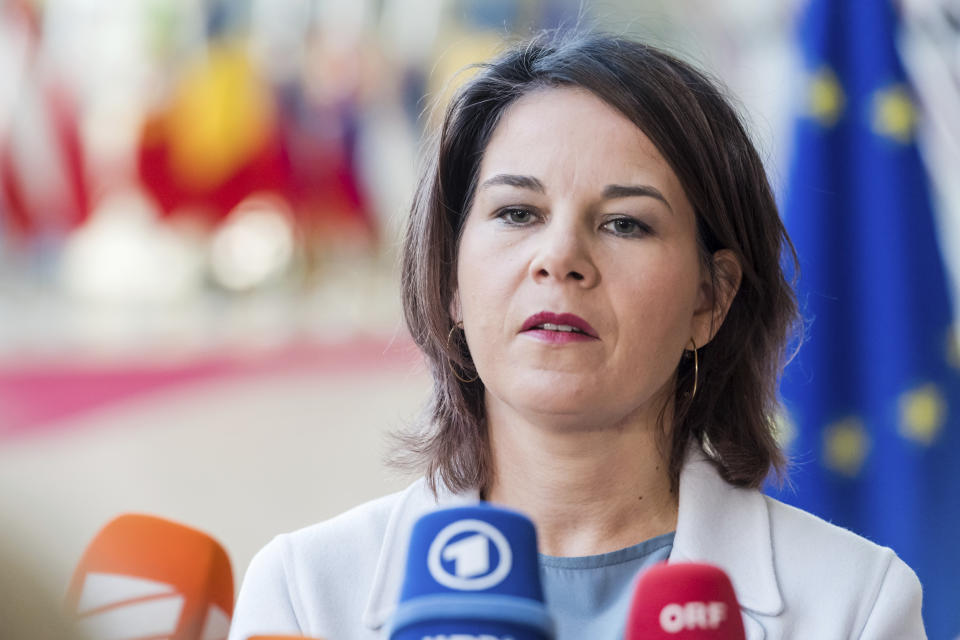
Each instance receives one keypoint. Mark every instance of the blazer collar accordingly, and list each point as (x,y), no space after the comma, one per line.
(717,523)
(729,527)
(391,565)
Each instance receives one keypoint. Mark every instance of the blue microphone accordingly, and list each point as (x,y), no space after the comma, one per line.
(472,574)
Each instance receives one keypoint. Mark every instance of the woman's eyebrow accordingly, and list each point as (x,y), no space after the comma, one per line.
(613,191)
(512,180)
(610,192)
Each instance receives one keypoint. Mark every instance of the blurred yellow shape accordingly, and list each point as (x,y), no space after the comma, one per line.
(825,98)
(454,65)
(893,114)
(221,116)
(923,412)
(845,445)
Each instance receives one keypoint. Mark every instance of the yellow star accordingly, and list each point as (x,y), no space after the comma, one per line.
(845,446)
(825,99)
(923,412)
(893,114)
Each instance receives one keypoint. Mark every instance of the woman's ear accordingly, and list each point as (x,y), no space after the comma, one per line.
(718,294)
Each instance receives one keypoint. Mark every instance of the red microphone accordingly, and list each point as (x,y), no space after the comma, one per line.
(684,601)
(146,577)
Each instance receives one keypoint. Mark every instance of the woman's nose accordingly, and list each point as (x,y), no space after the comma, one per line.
(563,255)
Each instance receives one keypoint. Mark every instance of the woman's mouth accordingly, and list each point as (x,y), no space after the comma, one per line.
(546,326)
(558,327)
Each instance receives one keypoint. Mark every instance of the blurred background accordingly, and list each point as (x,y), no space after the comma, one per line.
(200,207)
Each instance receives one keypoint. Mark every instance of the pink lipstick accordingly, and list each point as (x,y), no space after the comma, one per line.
(558,327)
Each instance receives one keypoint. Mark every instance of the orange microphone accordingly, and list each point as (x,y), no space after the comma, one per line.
(146,577)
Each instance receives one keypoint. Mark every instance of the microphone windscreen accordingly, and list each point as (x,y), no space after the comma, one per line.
(146,577)
(282,638)
(472,571)
(684,601)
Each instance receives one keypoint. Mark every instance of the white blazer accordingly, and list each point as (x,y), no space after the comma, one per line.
(795,576)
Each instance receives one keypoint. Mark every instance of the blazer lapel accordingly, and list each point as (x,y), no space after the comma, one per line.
(752,627)
(391,564)
(729,527)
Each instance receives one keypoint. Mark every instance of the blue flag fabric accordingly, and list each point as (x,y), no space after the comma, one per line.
(873,397)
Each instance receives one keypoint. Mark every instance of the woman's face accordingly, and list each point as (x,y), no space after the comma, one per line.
(576,212)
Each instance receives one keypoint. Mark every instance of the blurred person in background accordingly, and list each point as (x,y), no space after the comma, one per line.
(592,269)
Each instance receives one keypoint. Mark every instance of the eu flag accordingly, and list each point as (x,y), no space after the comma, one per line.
(873,409)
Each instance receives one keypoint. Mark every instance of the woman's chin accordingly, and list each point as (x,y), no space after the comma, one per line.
(557,400)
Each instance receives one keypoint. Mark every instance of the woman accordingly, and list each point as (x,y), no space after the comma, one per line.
(592,269)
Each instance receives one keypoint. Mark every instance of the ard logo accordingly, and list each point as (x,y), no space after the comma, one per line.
(469,555)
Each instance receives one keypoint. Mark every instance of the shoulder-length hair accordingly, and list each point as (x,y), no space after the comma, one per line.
(698,132)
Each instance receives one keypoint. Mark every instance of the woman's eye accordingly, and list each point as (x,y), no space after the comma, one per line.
(627,227)
(516,216)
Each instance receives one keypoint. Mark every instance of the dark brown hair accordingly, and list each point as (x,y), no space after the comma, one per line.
(700,135)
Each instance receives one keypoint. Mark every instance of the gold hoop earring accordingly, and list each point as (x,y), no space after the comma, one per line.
(453,369)
(696,368)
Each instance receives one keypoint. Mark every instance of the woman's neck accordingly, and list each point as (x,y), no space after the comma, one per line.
(588,490)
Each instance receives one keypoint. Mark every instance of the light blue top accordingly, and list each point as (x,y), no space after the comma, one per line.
(589,596)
